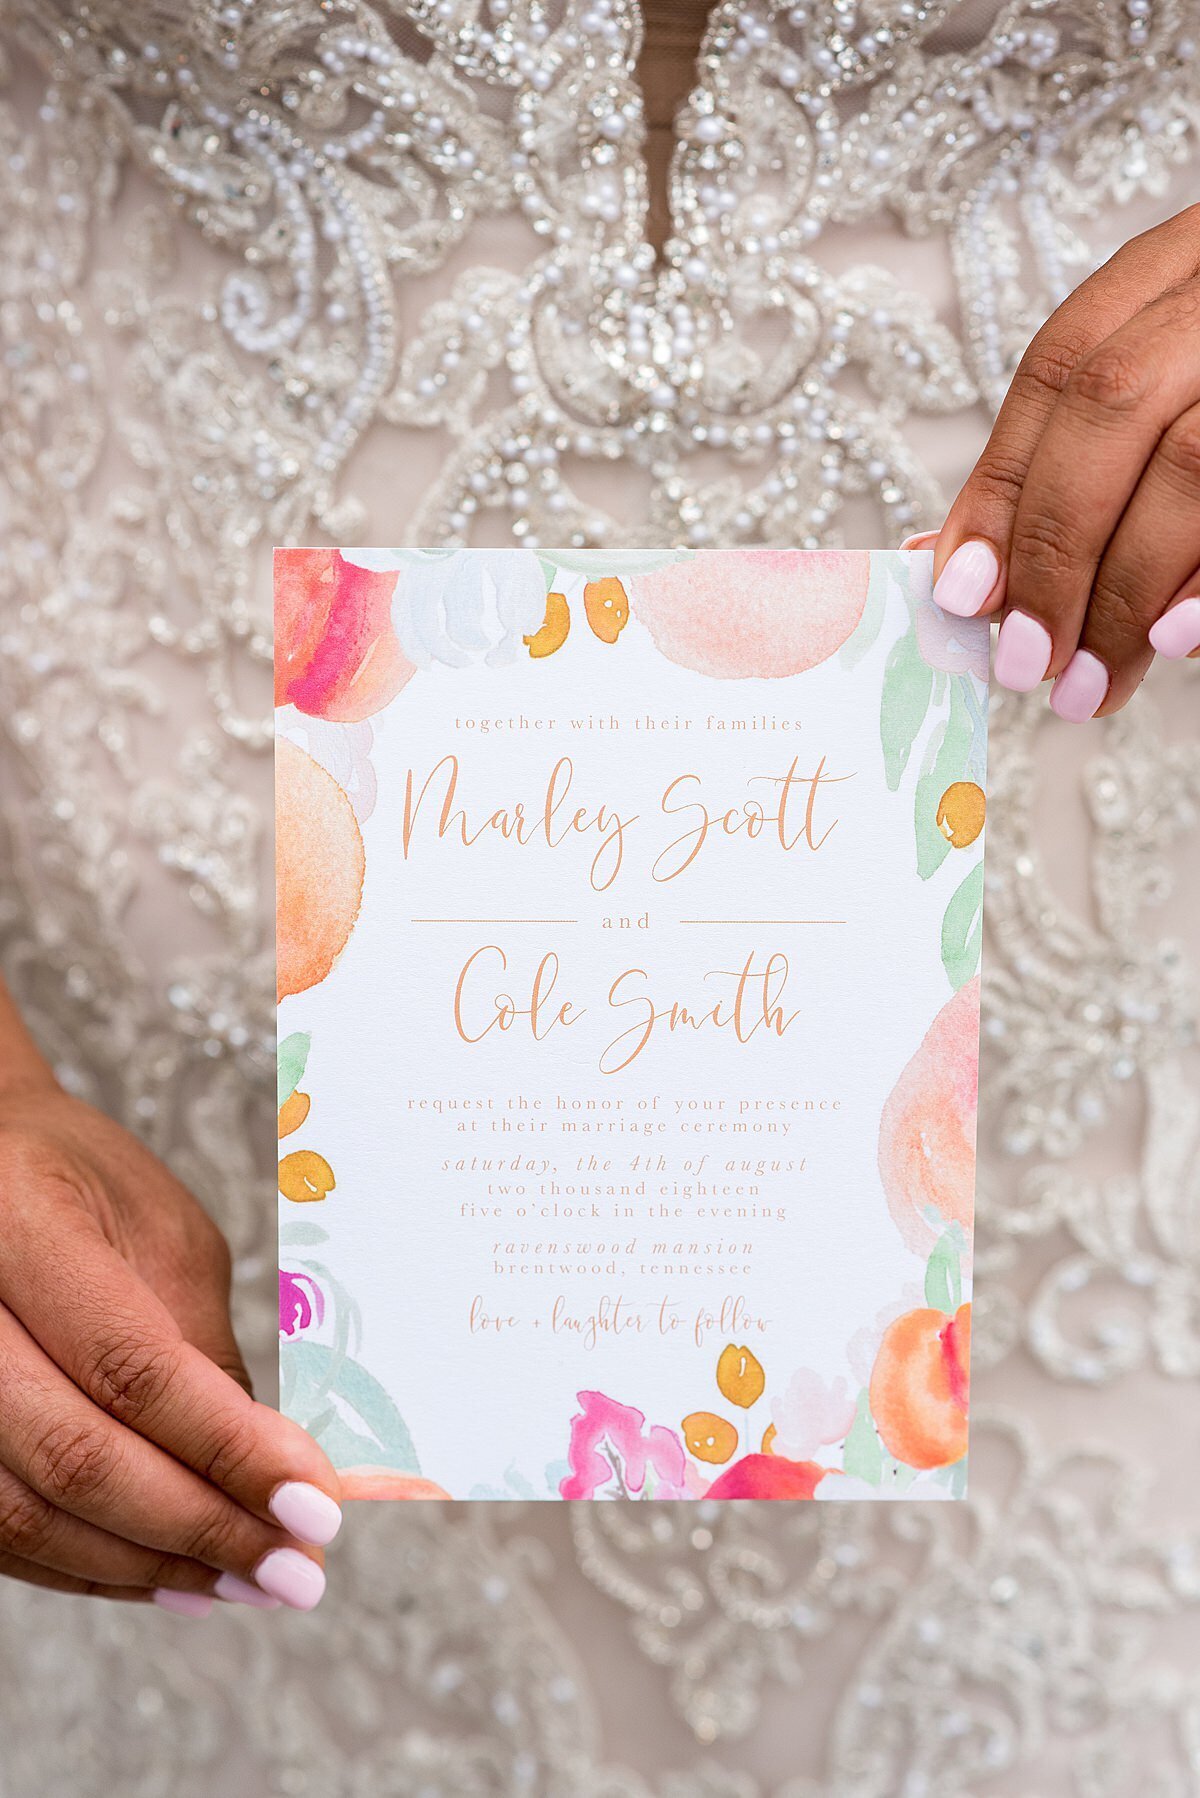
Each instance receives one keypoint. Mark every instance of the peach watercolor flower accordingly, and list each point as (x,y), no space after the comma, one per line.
(764,613)
(319,868)
(927,1130)
(380,1482)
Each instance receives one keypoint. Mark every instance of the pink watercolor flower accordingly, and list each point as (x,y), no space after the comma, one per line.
(612,1454)
(810,1414)
(336,652)
(953,645)
(770,1476)
(298,1307)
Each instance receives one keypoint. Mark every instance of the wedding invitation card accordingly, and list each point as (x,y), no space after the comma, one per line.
(629,921)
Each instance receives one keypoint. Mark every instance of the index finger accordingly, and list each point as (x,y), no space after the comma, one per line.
(112,1336)
(971,559)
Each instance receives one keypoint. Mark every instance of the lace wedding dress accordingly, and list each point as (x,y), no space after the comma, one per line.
(366,273)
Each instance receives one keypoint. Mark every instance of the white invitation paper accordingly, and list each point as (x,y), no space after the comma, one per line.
(629,939)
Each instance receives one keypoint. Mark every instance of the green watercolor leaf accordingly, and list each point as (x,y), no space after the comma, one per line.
(302,1236)
(962,929)
(943,1277)
(874,611)
(291,1061)
(907,685)
(344,1407)
(945,762)
(862,1456)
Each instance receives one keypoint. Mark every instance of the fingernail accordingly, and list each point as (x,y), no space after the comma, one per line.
(1081,688)
(184,1604)
(967,579)
(1177,632)
(291,1577)
(921,540)
(238,1591)
(306,1512)
(1023,651)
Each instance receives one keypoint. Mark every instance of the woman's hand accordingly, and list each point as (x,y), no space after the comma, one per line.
(133,1461)
(1081,520)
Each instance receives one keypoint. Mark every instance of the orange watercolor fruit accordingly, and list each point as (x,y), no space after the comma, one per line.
(305,1176)
(740,1376)
(607,606)
(768,1441)
(554,629)
(919,1387)
(961,812)
(708,1437)
(293,1112)
(319,869)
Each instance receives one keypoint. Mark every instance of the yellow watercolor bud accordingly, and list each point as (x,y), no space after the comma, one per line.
(305,1176)
(553,632)
(607,608)
(961,812)
(740,1376)
(708,1437)
(293,1112)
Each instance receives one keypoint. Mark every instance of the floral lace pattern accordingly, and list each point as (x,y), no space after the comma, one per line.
(212,218)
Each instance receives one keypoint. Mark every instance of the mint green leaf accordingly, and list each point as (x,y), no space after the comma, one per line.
(962,929)
(943,1278)
(290,1063)
(301,1236)
(945,762)
(907,685)
(871,623)
(344,1407)
(863,1454)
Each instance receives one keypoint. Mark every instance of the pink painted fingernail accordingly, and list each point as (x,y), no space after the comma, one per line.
(184,1604)
(306,1512)
(237,1591)
(1177,632)
(1081,688)
(967,579)
(291,1577)
(1023,651)
(921,540)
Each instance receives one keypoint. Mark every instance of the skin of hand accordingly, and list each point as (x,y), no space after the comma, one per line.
(134,1462)
(1080,522)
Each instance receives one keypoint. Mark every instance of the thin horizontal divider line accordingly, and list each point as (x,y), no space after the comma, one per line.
(762,920)
(493,920)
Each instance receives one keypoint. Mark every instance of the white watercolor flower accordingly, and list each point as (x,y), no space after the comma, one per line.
(462,607)
(810,1414)
(343,750)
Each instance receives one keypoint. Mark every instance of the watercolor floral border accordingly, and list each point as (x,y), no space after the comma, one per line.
(352,628)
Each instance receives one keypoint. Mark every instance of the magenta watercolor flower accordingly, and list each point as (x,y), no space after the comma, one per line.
(301,1303)
(612,1454)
